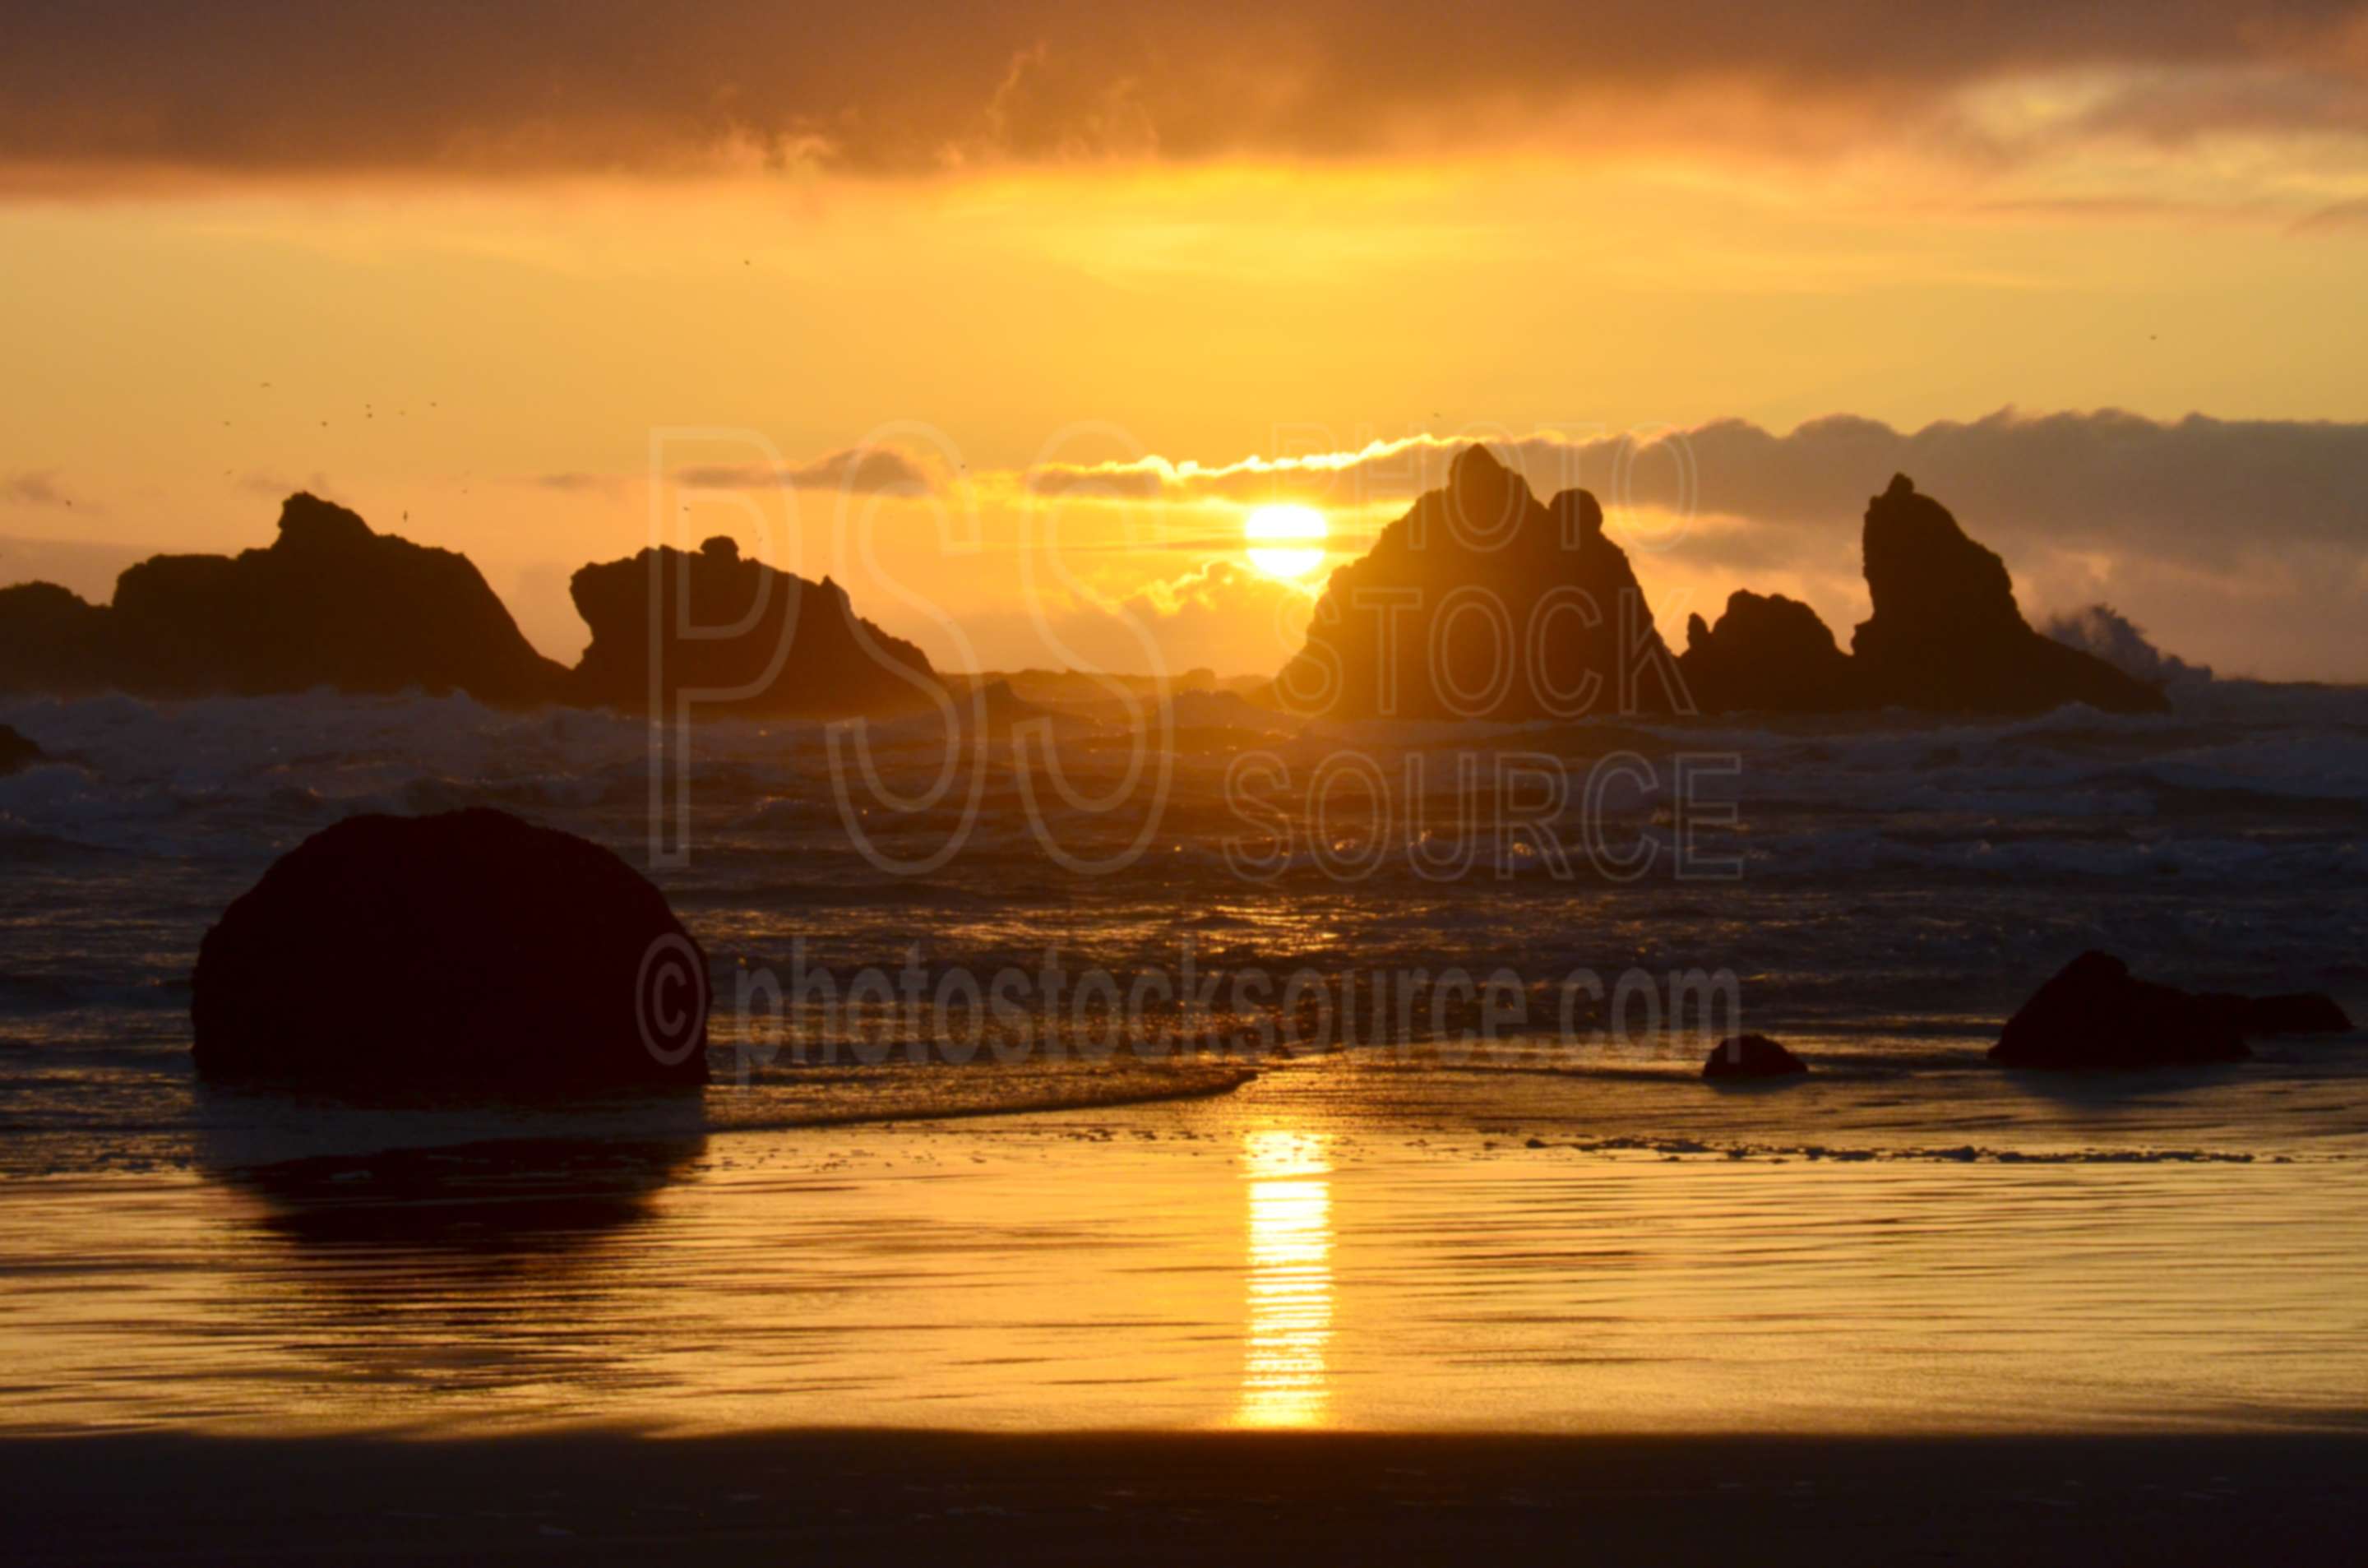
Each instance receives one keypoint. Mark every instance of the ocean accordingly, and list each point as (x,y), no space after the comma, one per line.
(1381,1108)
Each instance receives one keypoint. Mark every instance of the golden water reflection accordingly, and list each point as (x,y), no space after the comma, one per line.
(1285,1380)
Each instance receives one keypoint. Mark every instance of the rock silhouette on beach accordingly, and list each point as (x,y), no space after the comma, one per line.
(1769,654)
(1480,603)
(2295,1013)
(1946,634)
(1751,1056)
(736,636)
(16,751)
(2094,1013)
(469,948)
(330,603)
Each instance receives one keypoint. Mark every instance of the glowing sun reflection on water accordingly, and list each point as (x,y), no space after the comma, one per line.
(1284,1377)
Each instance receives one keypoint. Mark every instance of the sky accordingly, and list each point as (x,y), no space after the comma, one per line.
(1009,316)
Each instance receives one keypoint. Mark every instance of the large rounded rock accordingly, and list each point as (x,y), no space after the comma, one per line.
(466,948)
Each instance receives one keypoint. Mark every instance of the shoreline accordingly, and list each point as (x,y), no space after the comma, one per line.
(900,1495)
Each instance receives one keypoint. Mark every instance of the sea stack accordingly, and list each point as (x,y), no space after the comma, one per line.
(331,603)
(1946,635)
(1480,603)
(1768,653)
(736,636)
(469,948)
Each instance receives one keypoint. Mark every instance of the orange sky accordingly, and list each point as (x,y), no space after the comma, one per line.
(477,311)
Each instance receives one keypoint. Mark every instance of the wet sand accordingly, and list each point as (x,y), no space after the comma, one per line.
(1333,1316)
(940,1498)
(1330,1248)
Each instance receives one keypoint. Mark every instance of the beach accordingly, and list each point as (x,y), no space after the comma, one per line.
(1168,1280)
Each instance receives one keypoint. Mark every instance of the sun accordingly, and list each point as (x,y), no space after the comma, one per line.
(1285,541)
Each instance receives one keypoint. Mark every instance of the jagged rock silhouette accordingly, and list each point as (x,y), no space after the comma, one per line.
(330,603)
(1479,603)
(790,647)
(1768,653)
(1946,634)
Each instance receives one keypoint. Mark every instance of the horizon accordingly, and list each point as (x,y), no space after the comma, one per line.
(1655,510)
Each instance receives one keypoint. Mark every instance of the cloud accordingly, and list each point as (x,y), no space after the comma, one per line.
(869,471)
(245,86)
(573,484)
(34,488)
(2341,218)
(1220,616)
(2209,491)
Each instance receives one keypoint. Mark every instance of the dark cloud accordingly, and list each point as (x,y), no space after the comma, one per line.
(2207,491)
(1220,615)
(1146,480)
(870,470)
(467,87)
(39,488)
